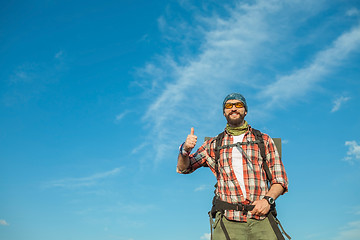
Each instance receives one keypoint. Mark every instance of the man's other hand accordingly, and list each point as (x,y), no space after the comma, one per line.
(262,207)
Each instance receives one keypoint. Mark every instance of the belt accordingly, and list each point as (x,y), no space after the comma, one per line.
(219,205)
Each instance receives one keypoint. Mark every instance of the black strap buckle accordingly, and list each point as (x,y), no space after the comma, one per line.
(240,207)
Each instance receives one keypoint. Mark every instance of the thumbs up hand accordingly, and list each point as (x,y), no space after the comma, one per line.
(190,141)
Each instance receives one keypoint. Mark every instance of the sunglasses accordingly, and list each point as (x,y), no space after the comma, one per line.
(237,105)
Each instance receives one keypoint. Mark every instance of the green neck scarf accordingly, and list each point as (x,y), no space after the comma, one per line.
(236,131)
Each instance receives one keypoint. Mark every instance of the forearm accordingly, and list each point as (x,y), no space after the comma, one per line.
(262,207)
(183,162)
(275,191)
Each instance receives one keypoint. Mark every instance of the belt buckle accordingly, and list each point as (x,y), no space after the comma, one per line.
(240,207)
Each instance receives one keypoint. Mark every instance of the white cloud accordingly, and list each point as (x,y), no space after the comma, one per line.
(229,47)
(84,181)
(355,210)
(59,55)
(206,236)
(338,103)
(31,79)
(298,84)
(120,116)
(25,73)
(139,148)
(353,152)
(231,50)
(201,188)
(350,232)
(353,12)
(3,222)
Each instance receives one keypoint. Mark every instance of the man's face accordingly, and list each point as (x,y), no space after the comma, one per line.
(235,116)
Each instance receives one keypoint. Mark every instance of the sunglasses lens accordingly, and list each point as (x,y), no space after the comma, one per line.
(228,105)
(239,105)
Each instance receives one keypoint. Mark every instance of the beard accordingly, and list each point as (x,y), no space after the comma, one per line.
(235,122)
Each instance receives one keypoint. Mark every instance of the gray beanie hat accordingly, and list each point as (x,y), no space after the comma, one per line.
(236,96)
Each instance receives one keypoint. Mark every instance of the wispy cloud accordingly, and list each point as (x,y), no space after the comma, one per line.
(59,54)
(25,73)
(228,49)
(139,148)
(201,188)
(233,51)
(355,210)
(3,222)
(92,180)
(120,116)
(30,79)
(206,236)
(353,12)
(339,102)
(349,232)
(296,85)
(353,152)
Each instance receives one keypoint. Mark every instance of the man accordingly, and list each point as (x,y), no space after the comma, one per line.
(243,198)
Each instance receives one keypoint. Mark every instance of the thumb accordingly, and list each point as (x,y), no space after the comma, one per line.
(192,131)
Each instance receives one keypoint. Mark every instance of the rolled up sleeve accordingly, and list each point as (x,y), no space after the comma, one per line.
(276,165)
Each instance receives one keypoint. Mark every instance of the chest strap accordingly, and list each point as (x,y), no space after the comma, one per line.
(259,141)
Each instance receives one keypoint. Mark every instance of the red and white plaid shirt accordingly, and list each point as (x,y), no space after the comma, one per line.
(228,188)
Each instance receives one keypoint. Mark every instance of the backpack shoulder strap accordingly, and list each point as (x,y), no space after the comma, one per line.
(259,137)
(218,144)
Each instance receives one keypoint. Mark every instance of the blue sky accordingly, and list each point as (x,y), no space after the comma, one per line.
(96,97)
